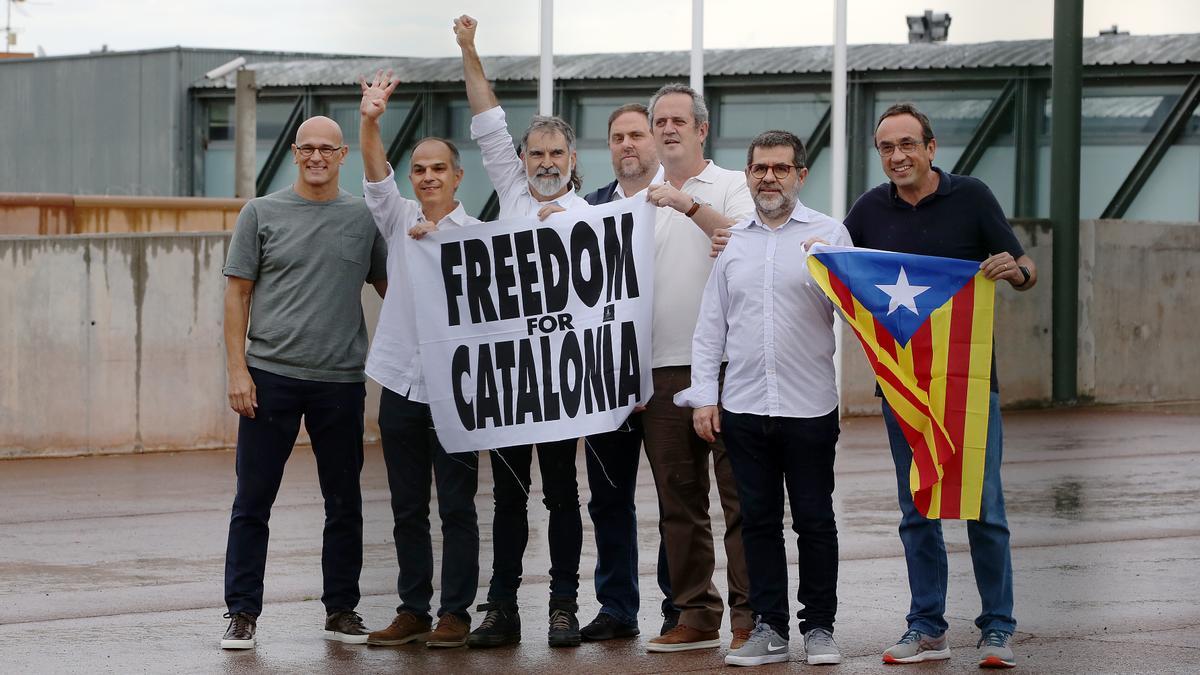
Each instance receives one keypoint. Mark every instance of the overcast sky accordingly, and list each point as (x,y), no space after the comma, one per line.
(409,28)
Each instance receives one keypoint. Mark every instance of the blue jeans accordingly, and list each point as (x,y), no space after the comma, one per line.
(925,550)
(333,416)
(510,522)
(768,455)
(612,468)
(411,452)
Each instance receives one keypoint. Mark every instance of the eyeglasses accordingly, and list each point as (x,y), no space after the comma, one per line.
(325,150)
(907,147)
(781,171)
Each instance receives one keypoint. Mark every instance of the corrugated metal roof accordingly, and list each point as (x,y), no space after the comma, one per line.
(1114,50)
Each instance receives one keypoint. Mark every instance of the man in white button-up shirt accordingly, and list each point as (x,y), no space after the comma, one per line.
(778,408)
(538,181)
(410,446)
(696,198)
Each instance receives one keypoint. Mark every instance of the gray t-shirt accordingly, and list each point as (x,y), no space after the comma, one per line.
(309,261)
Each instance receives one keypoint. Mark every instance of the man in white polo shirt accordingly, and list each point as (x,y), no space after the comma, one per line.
(411,450)
(778,407)
(697,198)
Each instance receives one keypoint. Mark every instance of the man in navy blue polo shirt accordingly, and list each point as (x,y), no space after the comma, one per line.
(927,211)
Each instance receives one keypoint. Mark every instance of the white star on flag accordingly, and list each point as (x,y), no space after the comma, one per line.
(902,294)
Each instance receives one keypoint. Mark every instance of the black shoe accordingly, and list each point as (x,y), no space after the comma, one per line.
(670,620)
(346,627)
(500,626)
(607,627)
(564,628)
(240,634)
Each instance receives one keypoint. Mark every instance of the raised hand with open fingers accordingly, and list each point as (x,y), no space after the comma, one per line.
(376,93)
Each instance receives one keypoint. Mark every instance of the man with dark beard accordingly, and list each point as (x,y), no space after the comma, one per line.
(537,181)
(778,408)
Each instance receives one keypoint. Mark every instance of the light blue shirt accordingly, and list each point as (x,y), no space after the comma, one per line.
(762,309)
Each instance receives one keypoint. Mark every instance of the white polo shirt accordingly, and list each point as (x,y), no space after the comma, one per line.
(506,170)
(395,357)
(682,263)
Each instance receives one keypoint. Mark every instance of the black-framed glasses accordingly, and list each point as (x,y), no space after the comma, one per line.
(325,150)
(907,146)
(781,171)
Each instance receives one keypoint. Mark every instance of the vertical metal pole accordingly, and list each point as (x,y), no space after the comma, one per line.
(697,68)
(837,114)
(546,70)
(245,134)
(1066,97)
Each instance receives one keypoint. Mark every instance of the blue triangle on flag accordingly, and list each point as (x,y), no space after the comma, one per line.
(892,285)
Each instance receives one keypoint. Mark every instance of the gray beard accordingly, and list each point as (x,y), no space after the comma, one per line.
(549,184)
(772,206)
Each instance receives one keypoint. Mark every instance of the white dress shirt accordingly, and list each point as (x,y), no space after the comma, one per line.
(762,309)
(506,169)
(682,262)
(395,358)
(659,176)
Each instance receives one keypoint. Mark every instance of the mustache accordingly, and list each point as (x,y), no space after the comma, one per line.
(552,171)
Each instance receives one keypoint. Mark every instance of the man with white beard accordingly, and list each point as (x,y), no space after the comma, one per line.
(539,180)
(778,409)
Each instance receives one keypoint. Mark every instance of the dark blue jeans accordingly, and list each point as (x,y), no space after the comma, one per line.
(925,550)
(510,524)
(333,416)
(769,454)
(612,468)
(411,452)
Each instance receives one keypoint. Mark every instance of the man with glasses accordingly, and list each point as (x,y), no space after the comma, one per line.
(538,180)
(926,211)
(696,198)
(411,450)
(778,409)
(299,257)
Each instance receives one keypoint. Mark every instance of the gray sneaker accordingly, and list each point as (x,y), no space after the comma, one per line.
(915,646)
(763,646)
(994,651)
(820,647)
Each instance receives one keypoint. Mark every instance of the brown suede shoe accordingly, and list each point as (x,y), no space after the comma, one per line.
(451,631)
(405,628)
(740,635)
(682,637)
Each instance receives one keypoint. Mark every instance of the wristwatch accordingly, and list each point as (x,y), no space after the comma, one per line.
(1025,273)
(696,204)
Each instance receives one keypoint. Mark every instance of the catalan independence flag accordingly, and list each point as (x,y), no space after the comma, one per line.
(925,324)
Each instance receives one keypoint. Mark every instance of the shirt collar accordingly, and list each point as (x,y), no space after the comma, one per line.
(943,189)
(458,216)
(658,178)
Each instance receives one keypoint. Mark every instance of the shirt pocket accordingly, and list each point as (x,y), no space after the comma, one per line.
(352,248)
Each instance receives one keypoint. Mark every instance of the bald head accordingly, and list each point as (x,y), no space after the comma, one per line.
(320,127)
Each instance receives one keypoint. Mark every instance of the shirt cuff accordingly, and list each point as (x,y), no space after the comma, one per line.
(383,187)
(697,396)
(487,122)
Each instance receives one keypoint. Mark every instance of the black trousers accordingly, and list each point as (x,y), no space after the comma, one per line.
(769,454)
(412,452)
(333,416)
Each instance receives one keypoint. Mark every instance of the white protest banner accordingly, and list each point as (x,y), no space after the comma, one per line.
(535,331)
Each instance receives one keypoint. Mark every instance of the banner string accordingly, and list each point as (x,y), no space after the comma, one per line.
(599,461)
(496,453)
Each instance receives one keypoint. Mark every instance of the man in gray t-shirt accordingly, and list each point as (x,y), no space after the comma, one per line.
(296,267)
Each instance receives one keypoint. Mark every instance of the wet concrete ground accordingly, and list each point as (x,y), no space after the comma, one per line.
(115,563)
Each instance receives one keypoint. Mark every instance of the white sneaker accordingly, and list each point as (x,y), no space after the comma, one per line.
(764,646)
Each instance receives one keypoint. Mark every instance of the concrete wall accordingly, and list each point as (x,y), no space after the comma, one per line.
(89,214)
(113,343)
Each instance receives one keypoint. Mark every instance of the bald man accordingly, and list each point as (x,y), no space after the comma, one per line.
(299,257)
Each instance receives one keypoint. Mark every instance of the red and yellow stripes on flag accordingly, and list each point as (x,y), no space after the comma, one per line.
(938,386)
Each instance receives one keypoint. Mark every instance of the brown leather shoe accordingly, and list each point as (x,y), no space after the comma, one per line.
(404,628)
(451,631)
(682,638)
(740,635)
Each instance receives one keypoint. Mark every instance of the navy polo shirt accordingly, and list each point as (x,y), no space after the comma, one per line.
(961,219)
